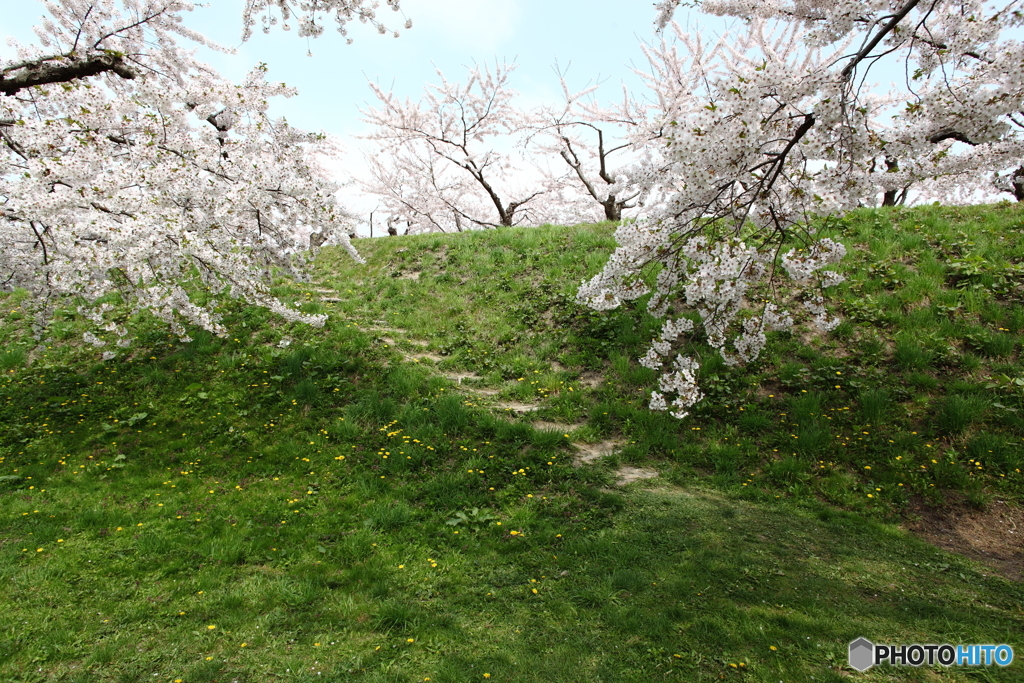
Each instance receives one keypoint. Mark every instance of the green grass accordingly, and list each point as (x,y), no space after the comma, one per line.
(352,515)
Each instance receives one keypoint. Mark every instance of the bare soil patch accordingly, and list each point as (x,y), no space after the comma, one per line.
(627,474)
(993,536)
(457,377)
(515,407)
(413,356)
(589,452)
(481,391)
(420,356)
(560,427)
(393,330)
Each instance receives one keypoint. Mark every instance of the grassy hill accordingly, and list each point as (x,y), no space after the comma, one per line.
(436,485)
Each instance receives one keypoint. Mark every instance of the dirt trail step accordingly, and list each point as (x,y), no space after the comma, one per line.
(457,377)
(481,391)
(516,407)
(562,428)
(589,452)
(628,474)
(586,452)
(415,356)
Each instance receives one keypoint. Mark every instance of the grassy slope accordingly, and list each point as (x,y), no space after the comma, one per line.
(236,484)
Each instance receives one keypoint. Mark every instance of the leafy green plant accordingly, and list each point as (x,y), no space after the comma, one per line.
(474,518)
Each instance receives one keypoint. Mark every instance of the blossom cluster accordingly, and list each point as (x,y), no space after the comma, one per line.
(757,134)
(155,179)
(309,15)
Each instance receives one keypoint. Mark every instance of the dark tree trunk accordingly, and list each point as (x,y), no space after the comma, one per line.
(1018,184)
(890,196)
(612,209)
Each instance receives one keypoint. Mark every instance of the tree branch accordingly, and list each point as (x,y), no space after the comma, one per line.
(949,134)
(41,72)
(873,43)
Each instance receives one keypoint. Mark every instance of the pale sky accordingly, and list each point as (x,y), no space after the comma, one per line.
(598,40)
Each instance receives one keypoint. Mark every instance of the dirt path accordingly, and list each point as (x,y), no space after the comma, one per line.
(586,453)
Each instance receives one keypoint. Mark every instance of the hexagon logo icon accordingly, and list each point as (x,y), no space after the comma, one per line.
(862,654)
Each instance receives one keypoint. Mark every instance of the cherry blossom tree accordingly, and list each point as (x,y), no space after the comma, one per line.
(127,166)
(586,137)
(419,187)
(764,131)
(448,162)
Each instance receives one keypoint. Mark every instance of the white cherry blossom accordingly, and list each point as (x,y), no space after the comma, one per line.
(759,133)
(128,166)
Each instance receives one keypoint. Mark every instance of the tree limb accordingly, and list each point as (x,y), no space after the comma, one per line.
(866,50)
(950,134)
(42,72)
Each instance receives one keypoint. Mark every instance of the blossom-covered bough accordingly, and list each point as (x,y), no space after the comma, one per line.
(127,166)
(761,133)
